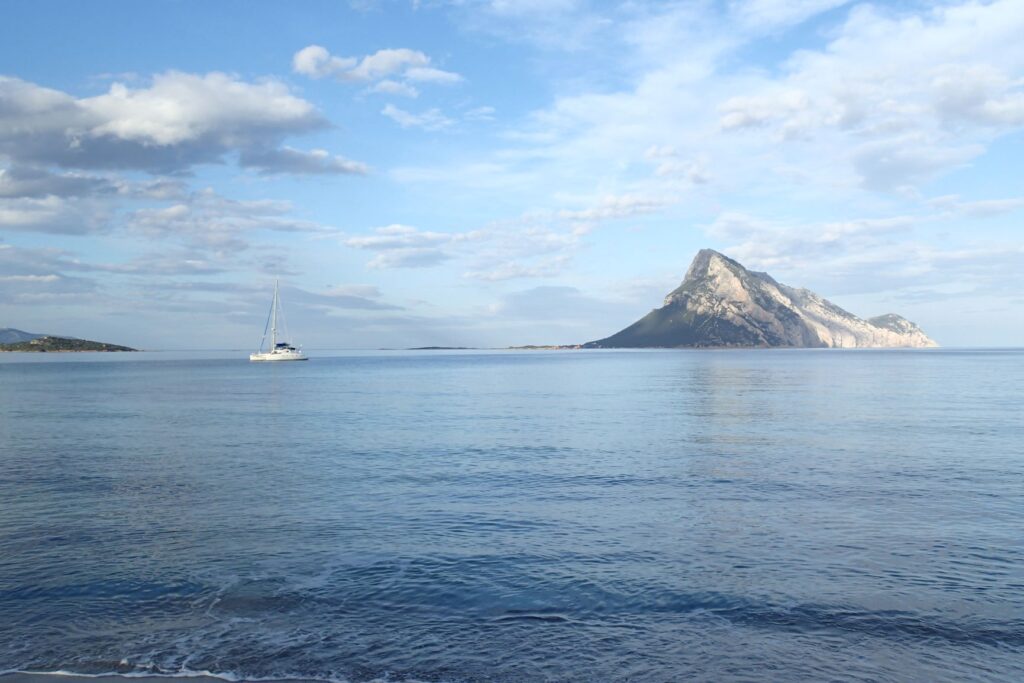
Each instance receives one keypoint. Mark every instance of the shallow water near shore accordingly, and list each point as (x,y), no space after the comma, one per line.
(516,516)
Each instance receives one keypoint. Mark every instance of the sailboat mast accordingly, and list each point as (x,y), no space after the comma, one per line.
(273,329)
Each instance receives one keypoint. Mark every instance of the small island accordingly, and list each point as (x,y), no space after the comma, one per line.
(545,347)
(442,348)
(48,344)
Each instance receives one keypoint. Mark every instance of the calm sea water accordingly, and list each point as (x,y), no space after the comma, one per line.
(562,516)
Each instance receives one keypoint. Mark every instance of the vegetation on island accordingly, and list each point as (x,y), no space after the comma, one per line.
(61,344)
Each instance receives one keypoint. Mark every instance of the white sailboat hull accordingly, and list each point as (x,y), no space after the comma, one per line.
(278,356)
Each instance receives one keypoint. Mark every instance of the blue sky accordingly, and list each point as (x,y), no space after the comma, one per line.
(494,172)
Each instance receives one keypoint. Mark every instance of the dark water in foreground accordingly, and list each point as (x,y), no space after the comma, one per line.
(577,516)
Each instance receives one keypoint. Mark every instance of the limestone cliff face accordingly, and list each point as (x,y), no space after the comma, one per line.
(721,303)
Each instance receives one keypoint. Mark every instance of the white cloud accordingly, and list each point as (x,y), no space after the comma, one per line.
(53,214)
(180,107)
(386,62)
(178,121)
(426,74)
(315,61)
(900,98)
(484,113)
(615,206)
(389,87)
(29,278)
(868,255)
(893,100)
(403,246)
(401,237)
(413,257)
(288,160)
(497,252)
(21,181)
(162,188)
(513,270)
(343,297)
(392,68)
(364,291)
(564,25)
(901,162)
(431,119)
(209,221)
(979,208)
(979,94)
(766,15)
(32,277)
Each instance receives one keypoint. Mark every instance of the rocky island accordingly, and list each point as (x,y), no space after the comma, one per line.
(46,344)
(722,304)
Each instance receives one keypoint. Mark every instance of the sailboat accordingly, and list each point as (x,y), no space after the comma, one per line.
(278,350)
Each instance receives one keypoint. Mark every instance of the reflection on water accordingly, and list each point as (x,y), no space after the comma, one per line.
(517,516)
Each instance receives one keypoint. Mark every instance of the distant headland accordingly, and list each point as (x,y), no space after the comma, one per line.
(721,304)
(18,340)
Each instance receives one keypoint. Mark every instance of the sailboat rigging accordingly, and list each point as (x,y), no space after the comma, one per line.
(278,350)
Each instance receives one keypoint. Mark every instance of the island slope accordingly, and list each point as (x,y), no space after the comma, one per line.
(61,344)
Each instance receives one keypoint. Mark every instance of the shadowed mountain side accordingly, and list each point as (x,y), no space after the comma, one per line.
(9,335)
(722,304)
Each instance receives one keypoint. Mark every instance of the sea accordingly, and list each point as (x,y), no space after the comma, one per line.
(462,516)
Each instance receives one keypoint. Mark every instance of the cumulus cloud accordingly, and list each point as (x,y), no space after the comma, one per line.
(176,121)
(180,107)
(386,62)
(316,61)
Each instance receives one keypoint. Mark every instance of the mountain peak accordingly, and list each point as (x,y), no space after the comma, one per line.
(721,303)
(704,261)
(710,270)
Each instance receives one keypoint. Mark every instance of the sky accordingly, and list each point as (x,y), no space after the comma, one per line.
(502,172)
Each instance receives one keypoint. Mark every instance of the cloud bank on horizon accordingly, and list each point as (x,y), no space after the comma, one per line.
(497,172)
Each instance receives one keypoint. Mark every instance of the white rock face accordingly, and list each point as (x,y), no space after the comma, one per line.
(838,329)
(721,303)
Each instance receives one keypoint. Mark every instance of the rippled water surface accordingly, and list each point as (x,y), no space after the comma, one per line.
(576,516)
